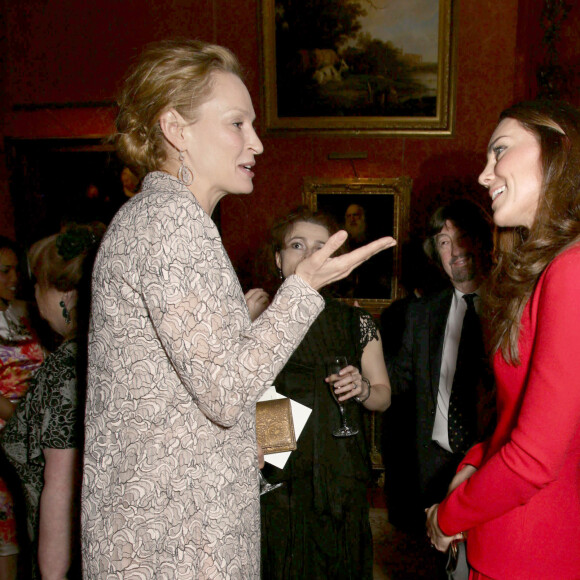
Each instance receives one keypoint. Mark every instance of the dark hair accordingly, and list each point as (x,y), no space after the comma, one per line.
(8,244)
(468,217)
(169,74)
(265,273)
(523,254)
(302,213)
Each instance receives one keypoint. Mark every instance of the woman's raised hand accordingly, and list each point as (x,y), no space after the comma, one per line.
(319,269)
(257,301)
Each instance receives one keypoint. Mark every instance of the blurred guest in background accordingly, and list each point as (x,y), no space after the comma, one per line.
(317,524)
(175,364)
(420,276)
(426,365)
(20,356)
(130,182)
(43,439)
(515,496)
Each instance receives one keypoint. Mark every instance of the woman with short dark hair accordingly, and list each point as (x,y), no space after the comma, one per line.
(317,524)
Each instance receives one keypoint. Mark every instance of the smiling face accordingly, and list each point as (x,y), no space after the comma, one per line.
(460,257)
(221,143)
(513,174)
(303,239)
(8,276)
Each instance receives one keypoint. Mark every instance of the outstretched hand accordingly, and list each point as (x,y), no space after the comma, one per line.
(319,269)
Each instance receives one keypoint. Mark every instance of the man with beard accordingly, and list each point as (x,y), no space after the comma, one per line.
(373,278)
(355,224)
(421,458)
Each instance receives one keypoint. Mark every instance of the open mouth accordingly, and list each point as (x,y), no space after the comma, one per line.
(248,169)
(497,192)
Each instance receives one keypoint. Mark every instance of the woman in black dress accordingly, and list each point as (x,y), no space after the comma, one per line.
(317,524)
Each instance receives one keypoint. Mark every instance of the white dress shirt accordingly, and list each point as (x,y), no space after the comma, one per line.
(448,364)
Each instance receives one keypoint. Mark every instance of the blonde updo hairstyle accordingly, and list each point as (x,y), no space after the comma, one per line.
(64,262)
(60,261)
(171,74)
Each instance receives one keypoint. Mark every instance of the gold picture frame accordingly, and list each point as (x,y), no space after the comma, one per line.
(386,204)
(359,80)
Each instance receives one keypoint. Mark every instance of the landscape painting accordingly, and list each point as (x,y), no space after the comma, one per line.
(371,65)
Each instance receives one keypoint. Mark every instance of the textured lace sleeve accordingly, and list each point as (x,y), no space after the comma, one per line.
(197,308)
(368,329)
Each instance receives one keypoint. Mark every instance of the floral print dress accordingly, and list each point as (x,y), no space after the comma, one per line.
(47,418)
(20,356)
(170,486)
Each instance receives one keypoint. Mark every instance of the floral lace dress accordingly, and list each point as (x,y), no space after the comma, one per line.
(20,356)
(170,483)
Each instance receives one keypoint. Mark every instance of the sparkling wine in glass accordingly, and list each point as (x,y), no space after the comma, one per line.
(265,487)
(333,366)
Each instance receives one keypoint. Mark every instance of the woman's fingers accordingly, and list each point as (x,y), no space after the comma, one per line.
(331,245)
(320,269)
(347,384)
(257,300)
(348,262)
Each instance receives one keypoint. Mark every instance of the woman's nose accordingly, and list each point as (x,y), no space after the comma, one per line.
(255,143)
(486,175)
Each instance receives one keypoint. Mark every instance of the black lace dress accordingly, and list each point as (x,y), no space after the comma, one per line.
(317,524)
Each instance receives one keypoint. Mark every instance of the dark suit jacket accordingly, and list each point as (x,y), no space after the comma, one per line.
(418,471)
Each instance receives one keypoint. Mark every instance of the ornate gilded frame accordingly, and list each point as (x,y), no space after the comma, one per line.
(441,123)
(388,198)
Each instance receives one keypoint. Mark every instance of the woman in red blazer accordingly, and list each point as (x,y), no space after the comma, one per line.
(516,496)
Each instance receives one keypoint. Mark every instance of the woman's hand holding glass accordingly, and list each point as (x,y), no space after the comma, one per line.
(319,269)
(335,366)
(347,384)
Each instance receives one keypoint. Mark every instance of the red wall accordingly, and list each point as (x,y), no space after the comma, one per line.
(66,51)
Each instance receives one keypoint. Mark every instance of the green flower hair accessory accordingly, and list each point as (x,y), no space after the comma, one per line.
(74,241)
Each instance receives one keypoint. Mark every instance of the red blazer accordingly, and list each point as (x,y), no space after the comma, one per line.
(521,508)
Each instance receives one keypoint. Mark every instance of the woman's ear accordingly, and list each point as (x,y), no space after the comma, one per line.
(278,260)
(70,299)
(172,124)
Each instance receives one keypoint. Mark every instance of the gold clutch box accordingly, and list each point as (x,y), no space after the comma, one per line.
(274,426)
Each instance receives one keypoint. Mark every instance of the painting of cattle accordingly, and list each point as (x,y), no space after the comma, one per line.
(370,65)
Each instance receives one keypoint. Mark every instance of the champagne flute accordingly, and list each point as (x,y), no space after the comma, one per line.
(334,365)
(265,487)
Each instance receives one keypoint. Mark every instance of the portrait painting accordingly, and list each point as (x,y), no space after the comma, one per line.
(367,209)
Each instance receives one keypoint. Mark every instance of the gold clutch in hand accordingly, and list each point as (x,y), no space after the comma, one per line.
(274,426)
